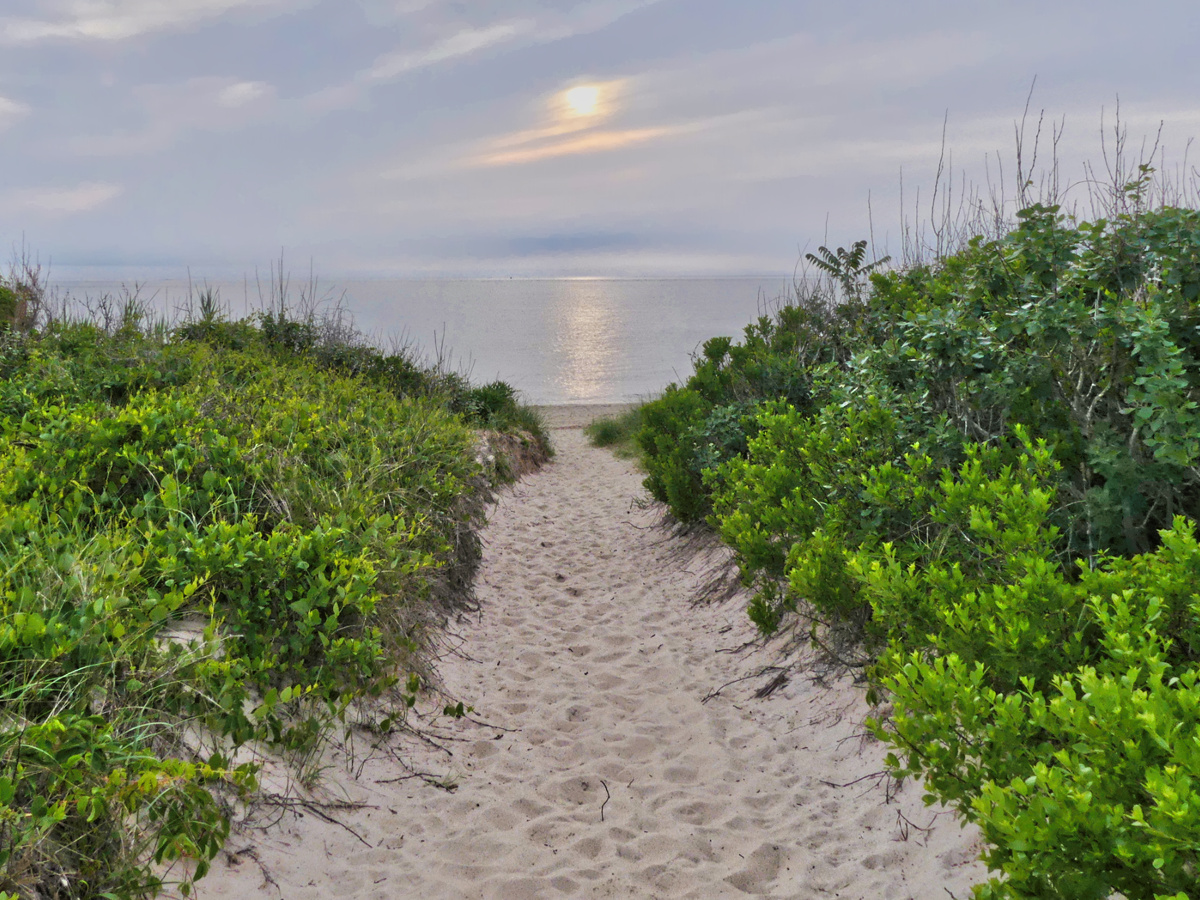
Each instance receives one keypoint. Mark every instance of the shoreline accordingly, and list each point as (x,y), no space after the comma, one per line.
(565,415)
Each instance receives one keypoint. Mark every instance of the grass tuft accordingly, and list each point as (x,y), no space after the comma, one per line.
(616,432)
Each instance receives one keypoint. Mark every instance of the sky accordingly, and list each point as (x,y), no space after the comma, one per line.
(411,138)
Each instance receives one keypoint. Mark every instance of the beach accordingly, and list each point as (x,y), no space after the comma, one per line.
(626,734)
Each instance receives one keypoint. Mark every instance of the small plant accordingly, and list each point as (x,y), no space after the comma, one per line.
(616,432)
(17,306)
(847,267)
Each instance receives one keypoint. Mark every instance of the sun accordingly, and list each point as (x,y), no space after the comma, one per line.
(583,101)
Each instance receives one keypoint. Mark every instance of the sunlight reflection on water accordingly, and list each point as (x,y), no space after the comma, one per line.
(585,341)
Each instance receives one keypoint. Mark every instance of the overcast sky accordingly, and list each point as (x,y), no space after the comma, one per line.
(554,137)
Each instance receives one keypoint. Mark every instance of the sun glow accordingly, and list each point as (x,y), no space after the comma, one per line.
(583,101)
(577,120)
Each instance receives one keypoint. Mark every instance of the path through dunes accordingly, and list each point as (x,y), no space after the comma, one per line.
(613,776)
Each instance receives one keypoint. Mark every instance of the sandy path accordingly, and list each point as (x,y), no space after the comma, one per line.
(616,777)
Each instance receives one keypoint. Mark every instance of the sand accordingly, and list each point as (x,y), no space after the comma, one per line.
(616,747)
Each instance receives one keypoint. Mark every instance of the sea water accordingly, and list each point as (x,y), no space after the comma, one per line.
(558,341)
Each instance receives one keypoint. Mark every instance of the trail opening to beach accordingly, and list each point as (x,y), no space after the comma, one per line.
(616,746)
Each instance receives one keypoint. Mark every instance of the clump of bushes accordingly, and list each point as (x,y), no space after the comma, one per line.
(217,535)
(979,477)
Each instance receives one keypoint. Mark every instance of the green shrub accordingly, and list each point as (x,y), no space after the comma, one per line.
(667,443)
(984,469)
(979,572)
(797,489)
(8,305)
(607,432)
(202,538)
(490,400)
(1082,333)
(1082,774)
(618,433)
(75,787)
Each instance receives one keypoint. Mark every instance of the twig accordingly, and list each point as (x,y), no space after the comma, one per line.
(490,725)
(861,735)
(772,686)
(317,809)
(905,824)
(235,857)
(442,736)
(428,777)
(875,775)
(421,735)
(764,671)
(607,797)
(738,649)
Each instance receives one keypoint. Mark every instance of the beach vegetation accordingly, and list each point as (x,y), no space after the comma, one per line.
(975,475)
(217,539)
(616,432)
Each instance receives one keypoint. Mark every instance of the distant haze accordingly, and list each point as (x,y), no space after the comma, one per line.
(421,138)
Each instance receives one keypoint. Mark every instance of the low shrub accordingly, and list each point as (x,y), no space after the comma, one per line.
(667,441)
(225,534)
(983,473)
(1061,717)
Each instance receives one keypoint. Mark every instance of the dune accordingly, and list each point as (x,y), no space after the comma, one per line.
(628,736)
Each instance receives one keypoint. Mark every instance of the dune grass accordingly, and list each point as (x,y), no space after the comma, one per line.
(616,432)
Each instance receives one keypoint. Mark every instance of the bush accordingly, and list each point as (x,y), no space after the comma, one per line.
(1080,767)
(226,538)
(667,441)
(8,305)
(800,482)
(610,431)
(984,472)
(331,344)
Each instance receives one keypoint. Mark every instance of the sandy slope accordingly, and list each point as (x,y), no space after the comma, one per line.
(613,772)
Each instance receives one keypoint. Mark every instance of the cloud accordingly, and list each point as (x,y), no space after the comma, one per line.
(198,104)
(779,127)
(118,20)
(594,142)
(464,43)
(569,130)
(11,111)
(454,15)
(396,64)
(452,31)
(243,93)
(58,201)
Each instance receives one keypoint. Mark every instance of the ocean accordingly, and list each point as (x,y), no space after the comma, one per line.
(558,341)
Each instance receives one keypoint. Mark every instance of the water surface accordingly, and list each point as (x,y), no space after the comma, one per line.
(559,341)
